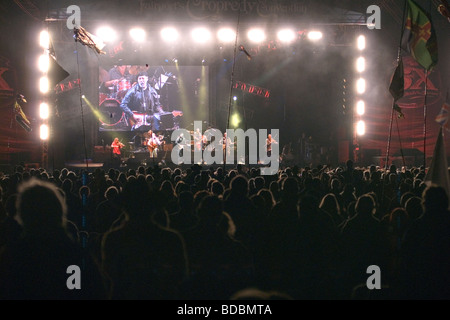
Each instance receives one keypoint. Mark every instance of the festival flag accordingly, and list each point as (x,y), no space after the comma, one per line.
(438,172)
(419,37)
(397,86)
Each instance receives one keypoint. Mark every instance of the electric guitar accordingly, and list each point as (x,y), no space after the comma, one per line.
(155,142)
(143,119)
(139,119)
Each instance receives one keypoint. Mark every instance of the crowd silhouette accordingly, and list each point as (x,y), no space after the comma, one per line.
(205,233)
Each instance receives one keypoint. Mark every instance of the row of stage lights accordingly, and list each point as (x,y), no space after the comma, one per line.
(204,35)
(360,87)
(44,85)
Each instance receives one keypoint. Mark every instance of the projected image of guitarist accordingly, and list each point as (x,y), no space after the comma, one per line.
(141,103)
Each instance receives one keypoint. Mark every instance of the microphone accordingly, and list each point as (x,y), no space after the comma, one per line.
(241,48)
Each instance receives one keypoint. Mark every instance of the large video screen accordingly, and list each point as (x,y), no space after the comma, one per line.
(142,97)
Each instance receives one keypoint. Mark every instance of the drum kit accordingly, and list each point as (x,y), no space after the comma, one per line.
(122,88)
(117,91)
(109,104)
(111,113)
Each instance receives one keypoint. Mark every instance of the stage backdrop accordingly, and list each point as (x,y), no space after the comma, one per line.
(407,131)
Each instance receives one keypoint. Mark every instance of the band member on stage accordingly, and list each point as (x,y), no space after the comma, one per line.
(199,140)
(269,142)
(182,142)
(180,138)
(153,144)
(116,145)
(226,146)
(142,99)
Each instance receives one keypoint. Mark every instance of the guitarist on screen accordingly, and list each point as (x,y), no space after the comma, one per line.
(140,104)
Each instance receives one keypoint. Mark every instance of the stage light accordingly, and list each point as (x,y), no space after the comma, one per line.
(44,132)
(106,34)
(44,39)
(44,63)
(361,43)
(83,96)
(175,60)
(361,128)
(43,84)
(169,34)
(226,35)
(138,34)
(360,64)
(286,35)
(44,111)
(360,107)
(234,98)
(361,85)
(256,35)
(201,35)
(315,35)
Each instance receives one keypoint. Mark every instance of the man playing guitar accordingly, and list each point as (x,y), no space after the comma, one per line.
(227,146)
(141,103)
(153,143)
